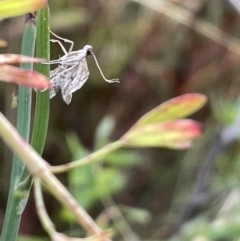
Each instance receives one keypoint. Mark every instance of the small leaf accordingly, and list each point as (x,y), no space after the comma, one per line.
(136,215)
(173,109)
(16,58)
(173,134)
(13,8)
(19,76)
(103,132)
(108,181)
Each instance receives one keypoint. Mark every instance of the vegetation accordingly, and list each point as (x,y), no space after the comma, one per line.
(131,166)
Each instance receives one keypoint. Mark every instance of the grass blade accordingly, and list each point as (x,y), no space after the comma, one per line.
(42,98)
(17,200)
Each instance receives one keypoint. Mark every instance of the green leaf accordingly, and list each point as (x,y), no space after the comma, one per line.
(42,104)
(136,215)
(173,109)
(108,181)
(173,134)
(13,8)
(104,131)
(16,203)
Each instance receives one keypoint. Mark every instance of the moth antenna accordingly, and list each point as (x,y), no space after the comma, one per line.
(107,80)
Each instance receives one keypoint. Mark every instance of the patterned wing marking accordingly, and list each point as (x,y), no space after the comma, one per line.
(76,81)
(59,77)
(54,81)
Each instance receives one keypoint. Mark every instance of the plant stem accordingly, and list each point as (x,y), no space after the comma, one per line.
(16,199)
(41,209)
(94,157)
(41,169)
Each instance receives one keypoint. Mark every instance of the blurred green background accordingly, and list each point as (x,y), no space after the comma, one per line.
(158,50)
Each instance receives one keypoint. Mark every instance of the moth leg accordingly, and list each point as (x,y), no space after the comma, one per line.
(60,44)
(65,40)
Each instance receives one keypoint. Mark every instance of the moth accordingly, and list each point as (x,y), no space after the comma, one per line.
(72,71)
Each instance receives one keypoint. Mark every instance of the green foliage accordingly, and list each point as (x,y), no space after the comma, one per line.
(173,109)
(221,228)
(160,127)
(136,215)
(144,55)
(90,183)
(16,203)
(225,110)
(20,181)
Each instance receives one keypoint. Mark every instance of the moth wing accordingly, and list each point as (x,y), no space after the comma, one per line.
(70,58)
(67,98)
(54,81)
(76,81)
(59,76)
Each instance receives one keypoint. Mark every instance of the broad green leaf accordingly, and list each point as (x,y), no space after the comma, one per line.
(173,134)
(13,8)
(173,109)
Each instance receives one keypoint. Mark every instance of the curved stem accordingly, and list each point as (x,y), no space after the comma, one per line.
(94,157)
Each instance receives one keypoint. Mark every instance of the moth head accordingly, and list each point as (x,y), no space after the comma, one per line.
(88,49)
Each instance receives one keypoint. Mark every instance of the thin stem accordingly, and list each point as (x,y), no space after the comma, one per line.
(40,168)
(94,157)
(46,222)
(114,213)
